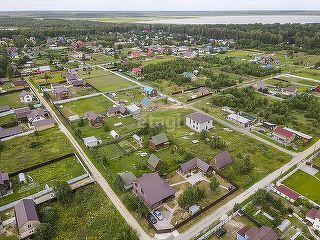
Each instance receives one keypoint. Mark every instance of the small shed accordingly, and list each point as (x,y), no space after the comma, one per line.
(153,162)
(194,209)
(114,134)
(284,225)
(90,141)
(133,109)
(22,178)
(127,179)
(138,139)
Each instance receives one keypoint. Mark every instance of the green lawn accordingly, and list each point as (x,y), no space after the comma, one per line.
(132,95)
(128,127)
(241,54)
(99,58)
(264,158)
(95,72)
(309,73)
(316,160)
(12,100)
(109,82)
(22,152)
(63,170)
(98,104)
(48,77)
(309,188)
(91,215)
(7,119)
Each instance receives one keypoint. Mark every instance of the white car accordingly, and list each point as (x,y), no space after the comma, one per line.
(158,214)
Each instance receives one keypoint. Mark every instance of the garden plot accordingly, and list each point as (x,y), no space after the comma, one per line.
(240,146)
(38,179)
(13,100)
(90,213)
(129,96)
(97,104)
(33,149)
(310,186)
(124,126)
(109,82)
(48,78)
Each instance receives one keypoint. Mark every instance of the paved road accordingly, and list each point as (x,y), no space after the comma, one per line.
(97,176)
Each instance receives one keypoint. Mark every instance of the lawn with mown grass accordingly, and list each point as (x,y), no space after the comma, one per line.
(316,160)
(309,188)
(109,82)
(90,215)
(12,100)
(99,104)
(37,179)
(48,78)
(99,58)
(26,151)
(7,119)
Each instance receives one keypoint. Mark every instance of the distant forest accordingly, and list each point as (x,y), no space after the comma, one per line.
(269,36)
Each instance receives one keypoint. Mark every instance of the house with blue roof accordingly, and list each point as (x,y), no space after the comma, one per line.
(150,91)
(146,103)
(190,75)
(268,66)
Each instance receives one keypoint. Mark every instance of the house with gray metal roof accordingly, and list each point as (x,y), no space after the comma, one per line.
(199,121)
(127,179)
(153,162)
(26,216)
(159,141)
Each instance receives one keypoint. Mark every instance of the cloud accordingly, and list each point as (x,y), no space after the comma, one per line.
(158,5)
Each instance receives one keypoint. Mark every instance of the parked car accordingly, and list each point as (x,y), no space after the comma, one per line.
(220,232)
(151,218)
(158,214)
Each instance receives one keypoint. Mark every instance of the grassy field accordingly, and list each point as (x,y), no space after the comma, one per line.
(316,160)
(99,58)
(309,73)
(130,96)
(108,82)
(129,125)
(95,72)
(243,54)
(48,77)
(33,150)
(12,100)
(90,215)
(264,158)
(63,170)
(7,118)
(98,104)
(309,186)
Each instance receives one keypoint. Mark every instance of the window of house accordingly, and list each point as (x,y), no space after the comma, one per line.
(29,225)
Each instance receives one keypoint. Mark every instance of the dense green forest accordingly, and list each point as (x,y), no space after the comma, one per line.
(269,36)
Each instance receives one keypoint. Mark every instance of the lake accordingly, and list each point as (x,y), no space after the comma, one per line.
(240,19)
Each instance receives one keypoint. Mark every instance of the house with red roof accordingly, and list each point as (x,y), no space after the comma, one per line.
(136,70)
(313,216)
(317,89)
(287,193)
(284,136)
(137,54)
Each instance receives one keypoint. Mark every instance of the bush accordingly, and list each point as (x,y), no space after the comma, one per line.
(245,166)
(204,134)
(63,192)
(191,196)
(134,203)
(49,215)
(45,231)
(213,183)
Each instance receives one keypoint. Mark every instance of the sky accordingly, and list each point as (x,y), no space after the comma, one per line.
(158,5)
